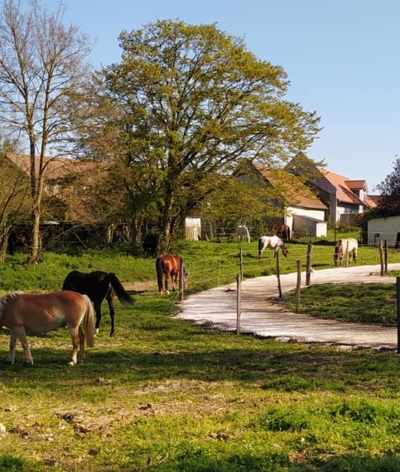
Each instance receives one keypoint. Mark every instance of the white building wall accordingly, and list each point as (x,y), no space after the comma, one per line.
(387,228)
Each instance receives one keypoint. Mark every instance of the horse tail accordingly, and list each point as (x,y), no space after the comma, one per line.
(89,322)
(122,294)
(288,232)
(160,272)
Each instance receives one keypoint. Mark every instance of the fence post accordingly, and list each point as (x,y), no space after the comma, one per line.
(181,272)
(241,263)
(278,275)
(298,285)
(381,256)
(398,312)
(308,269)
(386,256)
(238,302)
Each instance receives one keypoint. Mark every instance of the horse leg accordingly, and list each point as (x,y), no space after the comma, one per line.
(13,345)
(174,281)
(20,333)
(111,306)
(166,283)
(77,341)
(97,309)
(81,355)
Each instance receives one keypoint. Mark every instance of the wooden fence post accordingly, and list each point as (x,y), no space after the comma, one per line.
(181,287)
(241,263)
(386,256)
(308,268)
(238,301)
(398,313)
(381,256)
(298,285)
(278,275)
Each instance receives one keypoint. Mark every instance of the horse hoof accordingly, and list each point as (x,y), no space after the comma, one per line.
(28,364)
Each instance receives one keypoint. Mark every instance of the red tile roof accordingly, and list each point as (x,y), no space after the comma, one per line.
(293,190)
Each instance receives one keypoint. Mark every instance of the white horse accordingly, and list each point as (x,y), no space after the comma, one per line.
(273,242)
(243,233)
(344,247)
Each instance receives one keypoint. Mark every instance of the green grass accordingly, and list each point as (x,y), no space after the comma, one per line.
(164,395)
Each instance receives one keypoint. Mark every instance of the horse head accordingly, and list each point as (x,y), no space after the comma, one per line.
(338,254)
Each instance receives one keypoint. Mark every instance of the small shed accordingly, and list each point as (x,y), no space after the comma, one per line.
(312,226)
(192,229)
(384,229)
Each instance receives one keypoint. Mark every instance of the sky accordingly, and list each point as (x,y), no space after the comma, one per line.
(342,59)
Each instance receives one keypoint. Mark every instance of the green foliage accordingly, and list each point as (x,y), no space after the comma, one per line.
(193,102)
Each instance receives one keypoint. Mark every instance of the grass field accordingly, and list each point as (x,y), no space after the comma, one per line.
(163,395)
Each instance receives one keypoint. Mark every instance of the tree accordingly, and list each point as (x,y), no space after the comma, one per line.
(193,101)
(41,61)
(14,199)
(389,189)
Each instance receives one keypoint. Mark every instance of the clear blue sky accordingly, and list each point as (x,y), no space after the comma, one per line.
(342,58)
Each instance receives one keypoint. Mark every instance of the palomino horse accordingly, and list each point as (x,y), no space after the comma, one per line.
(21,312)
(243,233)
(98,285)
(343,247)
(170,267)
(282,231)
(273,242)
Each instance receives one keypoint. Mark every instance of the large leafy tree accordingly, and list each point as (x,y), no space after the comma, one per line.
(389,190)
(41,61)
(192,101)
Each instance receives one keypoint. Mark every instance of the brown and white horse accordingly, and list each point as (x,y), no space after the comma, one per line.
(21,312)
(343,247)
(169,266)
(273,242)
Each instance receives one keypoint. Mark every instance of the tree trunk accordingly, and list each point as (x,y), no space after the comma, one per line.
(136,236)
(34,257)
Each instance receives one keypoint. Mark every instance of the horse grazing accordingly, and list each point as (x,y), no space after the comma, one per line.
(21,312)
(282,231)
(273,242)
(151,244)
(98,285)
(243,233)
(169,266)
(344,247)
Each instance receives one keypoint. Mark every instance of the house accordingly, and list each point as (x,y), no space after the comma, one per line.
(344,197)
(301,209)
(384,229)
(60,172)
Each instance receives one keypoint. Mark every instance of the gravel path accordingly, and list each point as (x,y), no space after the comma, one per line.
(216,308)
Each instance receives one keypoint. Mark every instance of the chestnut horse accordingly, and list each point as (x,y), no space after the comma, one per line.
(343,247)
(273,242)
(169,266)
(98,285)
(282,231)
(21,312)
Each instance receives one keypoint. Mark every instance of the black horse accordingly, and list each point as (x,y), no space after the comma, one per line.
(98,286)
(151,244)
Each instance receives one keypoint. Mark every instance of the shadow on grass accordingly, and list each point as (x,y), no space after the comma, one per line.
(307,368)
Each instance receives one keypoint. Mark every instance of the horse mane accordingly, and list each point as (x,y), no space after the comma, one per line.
(8,296)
